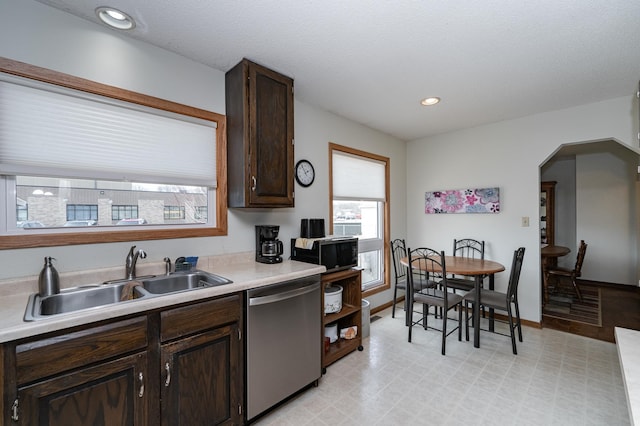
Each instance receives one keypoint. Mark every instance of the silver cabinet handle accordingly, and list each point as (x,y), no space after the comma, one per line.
(14,411)
(141,380)
(168,379)
(253,181)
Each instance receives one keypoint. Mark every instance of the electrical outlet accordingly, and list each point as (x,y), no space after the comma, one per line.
(525,221)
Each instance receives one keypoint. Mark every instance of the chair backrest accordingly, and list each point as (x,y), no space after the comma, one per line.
(580,258)
(398,251)
(469,248)
(426,268)
(514,276)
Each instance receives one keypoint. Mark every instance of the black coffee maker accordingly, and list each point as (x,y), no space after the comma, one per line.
(268,247)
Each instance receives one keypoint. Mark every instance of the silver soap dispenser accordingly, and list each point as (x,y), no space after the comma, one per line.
(49,281)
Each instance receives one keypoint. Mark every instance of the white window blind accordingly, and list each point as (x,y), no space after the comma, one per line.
(47,130)
(358,177)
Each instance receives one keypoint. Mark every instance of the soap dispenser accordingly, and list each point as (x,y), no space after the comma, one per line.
(49,281)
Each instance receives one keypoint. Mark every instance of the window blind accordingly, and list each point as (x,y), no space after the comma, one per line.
(47,130)
(358,177)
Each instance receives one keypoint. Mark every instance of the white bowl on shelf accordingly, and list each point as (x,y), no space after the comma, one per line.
(332,299)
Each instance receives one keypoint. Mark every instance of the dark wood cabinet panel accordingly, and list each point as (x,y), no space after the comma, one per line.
(190,319)
(112,393)
(260,149)
(121,373)
(200,383)
(53,355)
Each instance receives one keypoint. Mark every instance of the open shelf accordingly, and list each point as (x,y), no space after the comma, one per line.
(350,314)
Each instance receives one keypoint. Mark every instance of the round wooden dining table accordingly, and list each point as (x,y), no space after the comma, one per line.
(477,268)
(548,253)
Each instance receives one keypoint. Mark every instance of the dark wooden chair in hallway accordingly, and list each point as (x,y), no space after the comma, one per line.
(558,272)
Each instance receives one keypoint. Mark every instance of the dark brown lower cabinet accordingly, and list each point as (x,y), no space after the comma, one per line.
(178,366)
(112,393)
(197,387)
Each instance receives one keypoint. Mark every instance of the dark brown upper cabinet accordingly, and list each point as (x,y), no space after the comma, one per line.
(259,137)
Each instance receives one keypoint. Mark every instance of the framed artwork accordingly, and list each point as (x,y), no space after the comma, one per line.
(480,200)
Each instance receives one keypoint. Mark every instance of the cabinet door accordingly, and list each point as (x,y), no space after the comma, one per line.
(201,379)
(271,137)
(113,393)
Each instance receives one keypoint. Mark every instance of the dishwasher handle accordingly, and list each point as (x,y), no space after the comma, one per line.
(277,297)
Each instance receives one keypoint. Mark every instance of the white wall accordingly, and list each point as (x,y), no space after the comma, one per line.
(33,33)
(506,154)
(606,217)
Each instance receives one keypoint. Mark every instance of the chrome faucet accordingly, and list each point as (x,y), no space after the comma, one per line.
(167,266)
(132,258)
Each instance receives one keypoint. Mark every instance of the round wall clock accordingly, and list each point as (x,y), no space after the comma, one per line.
(305,174)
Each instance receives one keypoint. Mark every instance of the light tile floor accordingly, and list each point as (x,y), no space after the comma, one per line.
(556,379)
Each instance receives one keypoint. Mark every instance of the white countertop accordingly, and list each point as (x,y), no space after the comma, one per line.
(628,343)
(245,274)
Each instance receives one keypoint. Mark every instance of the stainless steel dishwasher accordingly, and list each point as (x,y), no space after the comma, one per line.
(283,338)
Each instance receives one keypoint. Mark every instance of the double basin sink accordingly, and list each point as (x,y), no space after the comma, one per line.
(109,293)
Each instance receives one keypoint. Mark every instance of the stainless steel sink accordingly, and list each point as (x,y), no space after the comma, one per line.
(76,299)
(182,281)
(109,293)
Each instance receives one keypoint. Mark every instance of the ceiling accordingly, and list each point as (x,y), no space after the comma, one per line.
(373,61)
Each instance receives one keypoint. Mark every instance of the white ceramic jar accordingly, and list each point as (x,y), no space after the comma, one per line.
(331,331)
(332,299)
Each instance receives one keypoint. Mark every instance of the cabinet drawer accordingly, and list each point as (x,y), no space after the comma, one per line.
(191,319)
(53,355)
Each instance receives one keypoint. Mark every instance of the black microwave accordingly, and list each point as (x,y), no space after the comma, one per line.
(335,253)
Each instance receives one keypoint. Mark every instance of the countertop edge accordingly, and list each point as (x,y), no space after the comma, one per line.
(628,344)
(245,276)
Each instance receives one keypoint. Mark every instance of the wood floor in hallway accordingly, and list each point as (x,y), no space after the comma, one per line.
(620,308)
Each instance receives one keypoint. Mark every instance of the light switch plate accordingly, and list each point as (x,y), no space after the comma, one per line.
(525,221)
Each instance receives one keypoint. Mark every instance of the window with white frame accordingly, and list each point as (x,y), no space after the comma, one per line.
(69,155)
(359,188)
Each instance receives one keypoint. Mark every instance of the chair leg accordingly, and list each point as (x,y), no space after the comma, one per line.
(466,320)
(518,318)
(395,300)
(410,321)
(512,330)
(460,323)
(444,333)
(408,314)
(575,286)
(425,314)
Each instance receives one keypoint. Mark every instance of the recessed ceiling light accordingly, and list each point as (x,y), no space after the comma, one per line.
(115,18)
(429,101)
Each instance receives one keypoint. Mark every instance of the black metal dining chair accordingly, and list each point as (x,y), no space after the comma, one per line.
(469,248)
(398,251)
(503,301)
(427,270)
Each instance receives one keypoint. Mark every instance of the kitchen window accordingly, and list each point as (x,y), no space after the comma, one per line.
(74,150)
(360,208)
